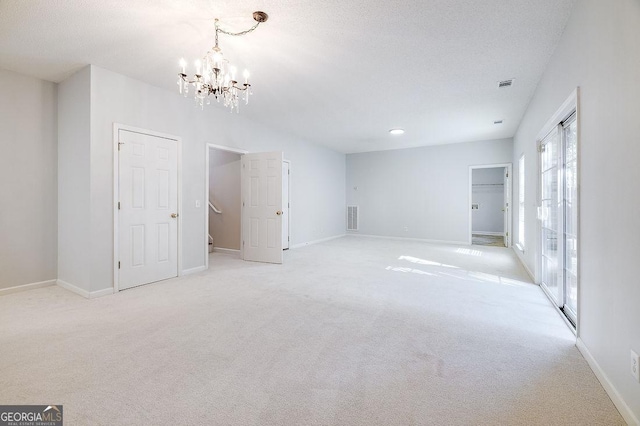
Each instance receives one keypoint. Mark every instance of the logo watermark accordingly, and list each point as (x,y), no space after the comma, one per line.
(30,415)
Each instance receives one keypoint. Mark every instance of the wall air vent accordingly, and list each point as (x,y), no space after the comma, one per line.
(352,218)
(505,83)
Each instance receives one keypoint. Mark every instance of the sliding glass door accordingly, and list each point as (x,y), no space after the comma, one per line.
(559,216)
(570,204)
(550,202)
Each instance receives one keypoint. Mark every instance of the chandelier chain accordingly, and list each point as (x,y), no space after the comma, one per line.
(241,33)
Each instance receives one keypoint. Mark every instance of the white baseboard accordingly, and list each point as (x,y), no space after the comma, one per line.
(421,240)
(620,404)
(323,240)
(73,288)
(194,270)
(491,234)
(226,251)
(524,263)
(101,293)
(25,287)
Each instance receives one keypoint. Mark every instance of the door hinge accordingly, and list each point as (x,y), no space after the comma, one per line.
(118,264)
(120,143)
(118,205)
(507,174)
(243,243)
(507,234)
(541,147)
(288,172)
(288,205)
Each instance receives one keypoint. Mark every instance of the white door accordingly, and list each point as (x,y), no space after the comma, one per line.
(285,205)
(148,209)
(262,207)
(507,207)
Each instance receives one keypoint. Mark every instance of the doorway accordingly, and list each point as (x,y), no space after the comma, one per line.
(237,182)
(146,207)
(490,196)
(224,201)
(558,215)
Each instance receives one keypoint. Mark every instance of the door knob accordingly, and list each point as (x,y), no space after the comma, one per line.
(174,215)
(279,212)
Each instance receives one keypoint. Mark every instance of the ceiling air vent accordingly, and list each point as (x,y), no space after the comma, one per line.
(505,83)
(497,122)
(352,218)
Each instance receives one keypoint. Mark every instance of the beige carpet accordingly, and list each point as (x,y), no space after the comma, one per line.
(355,331)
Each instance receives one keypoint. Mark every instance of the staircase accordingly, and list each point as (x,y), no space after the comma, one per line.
(216,211)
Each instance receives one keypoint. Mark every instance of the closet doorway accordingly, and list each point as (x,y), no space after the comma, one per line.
(490,201)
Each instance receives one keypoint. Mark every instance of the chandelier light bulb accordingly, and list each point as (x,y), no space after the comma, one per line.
(217,60)
(197,63)
(183,65)
(245,74)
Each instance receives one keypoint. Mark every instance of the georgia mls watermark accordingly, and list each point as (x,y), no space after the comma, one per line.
(30,415)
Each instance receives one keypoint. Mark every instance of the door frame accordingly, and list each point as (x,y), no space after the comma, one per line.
(509,168)
(289,206)
(116,194)
(208,147)
(571,103)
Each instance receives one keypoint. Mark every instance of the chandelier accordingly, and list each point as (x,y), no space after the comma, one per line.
(215,77)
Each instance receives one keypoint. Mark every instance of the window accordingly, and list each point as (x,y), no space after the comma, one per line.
(521,203)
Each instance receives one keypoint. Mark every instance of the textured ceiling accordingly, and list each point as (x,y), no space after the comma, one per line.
(339,73)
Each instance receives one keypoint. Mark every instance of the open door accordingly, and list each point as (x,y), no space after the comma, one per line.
(507,208)
(262,207)
(286,205)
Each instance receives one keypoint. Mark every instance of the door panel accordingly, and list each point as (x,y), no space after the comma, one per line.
(262,207)
(507,208)
(148,191)
(285,206)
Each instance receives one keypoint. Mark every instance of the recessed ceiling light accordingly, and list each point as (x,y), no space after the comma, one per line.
(396,131)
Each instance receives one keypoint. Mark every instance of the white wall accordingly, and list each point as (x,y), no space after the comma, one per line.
(599,52)
(74,196)
(28,184)
(488,193)
(317,173)
(224,193)
(419,192)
